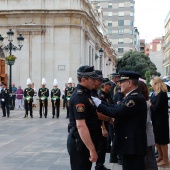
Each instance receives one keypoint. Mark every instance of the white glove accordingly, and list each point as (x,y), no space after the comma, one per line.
(96,101)
(3,100)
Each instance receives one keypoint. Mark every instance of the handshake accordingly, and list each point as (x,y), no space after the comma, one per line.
(96,101)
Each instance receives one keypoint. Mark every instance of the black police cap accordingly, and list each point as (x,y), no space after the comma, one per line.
(87,71)
(99,73)
(126,75)
(106,81)
(115,75)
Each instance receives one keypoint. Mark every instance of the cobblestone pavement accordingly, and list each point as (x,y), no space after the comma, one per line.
(36,144)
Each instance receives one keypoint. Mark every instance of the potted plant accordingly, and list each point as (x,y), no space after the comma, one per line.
(10,60)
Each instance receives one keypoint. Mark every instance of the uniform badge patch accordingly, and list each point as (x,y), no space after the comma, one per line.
(80,107)
(130,103)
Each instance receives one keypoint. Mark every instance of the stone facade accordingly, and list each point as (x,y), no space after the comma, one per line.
(60,36)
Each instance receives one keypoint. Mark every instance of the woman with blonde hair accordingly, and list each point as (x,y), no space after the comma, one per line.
(160,119)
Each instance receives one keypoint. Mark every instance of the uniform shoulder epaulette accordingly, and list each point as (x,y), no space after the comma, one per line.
(79,91)
(134,94)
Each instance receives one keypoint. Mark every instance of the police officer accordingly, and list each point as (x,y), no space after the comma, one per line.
(55,99)
(104,95)
(28,98)
(130,125)
(5,100)
(68,93)
(43,94)
(84,124)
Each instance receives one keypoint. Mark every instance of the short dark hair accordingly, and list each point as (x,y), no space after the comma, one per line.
(79,77)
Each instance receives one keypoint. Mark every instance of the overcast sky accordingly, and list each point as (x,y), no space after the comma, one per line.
(150,16)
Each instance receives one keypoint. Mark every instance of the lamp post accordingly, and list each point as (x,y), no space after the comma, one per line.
(10,47)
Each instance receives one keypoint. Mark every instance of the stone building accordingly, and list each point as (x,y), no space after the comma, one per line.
(60,36)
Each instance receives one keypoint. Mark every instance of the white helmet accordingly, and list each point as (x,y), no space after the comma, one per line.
(29,81)
(43,81)
(55,82)
(70,80)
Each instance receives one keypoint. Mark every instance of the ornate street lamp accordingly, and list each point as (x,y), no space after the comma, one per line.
(101,52)
(10,47)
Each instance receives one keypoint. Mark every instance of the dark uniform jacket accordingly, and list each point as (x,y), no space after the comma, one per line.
(43,92)
(29,92)
(5,94)
(82,107)
(55,93)
(68,92)
(130,125)
(113,85)
(106,97)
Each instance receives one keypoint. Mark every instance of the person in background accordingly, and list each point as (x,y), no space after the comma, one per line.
(43,94)
(160,119)
(0,92)
(68,93)
(14,89)
(63,96)
(150,160)
(19,97)
(55,99)
(28,98)
(5,101)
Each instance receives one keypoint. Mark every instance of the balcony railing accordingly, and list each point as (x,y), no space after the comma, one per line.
(167,59)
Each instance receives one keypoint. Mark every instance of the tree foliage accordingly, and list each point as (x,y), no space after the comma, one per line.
(138,62)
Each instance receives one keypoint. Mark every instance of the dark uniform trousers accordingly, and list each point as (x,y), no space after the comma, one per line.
(45,107)
(5,108)
(28,106)
(134,162)
(79,160)
(101,151)
(56,106)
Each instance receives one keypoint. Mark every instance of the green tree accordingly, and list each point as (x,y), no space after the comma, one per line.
(138,62)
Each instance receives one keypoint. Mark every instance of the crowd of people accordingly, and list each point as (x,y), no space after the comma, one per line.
(27,98)
(117,116)
(105,116)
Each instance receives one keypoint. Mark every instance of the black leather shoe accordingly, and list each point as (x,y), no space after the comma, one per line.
(53,116)
(31,116)
(66,117)
(104,168)
(119,161)
(45,116)
(40,116)
(3,116)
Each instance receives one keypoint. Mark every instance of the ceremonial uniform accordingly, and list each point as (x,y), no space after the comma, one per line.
(68,93)
(5,101)
(28,99)
(55,99)
(130,124)
(82,108)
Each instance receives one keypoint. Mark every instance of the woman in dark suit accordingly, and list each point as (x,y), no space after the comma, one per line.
(160,119)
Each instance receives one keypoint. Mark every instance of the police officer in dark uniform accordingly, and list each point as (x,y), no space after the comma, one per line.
(130,125)
(68,93)
(28,98)
(5,100)
(104,95)
(55,99)
(84,124)
(43,94)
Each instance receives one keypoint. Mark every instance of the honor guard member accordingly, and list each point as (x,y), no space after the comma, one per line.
(5,100)
(55,99)
(68,92)
(130,125)
(43,95)
(28,98)
(84,126)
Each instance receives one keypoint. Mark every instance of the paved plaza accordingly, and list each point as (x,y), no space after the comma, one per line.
(36,144)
